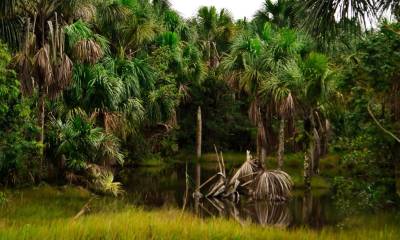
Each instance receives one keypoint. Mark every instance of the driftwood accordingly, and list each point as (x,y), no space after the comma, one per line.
(250,179)
(83,210)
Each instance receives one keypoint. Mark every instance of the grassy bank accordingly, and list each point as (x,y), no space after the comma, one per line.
(48,213)
(171,224)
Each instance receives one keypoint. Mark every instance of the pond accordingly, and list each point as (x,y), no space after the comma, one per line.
(155,187)
(164,188)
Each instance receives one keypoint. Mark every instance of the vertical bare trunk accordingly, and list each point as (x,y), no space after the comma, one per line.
(261,148)
(317,152)
(263,155)
(310,151)
(281,147)
(198,133)
(307,169)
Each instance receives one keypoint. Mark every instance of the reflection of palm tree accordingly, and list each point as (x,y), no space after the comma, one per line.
(224,208)
(261,212)
(307,207)
(268,213)
(312,212)
(197,187)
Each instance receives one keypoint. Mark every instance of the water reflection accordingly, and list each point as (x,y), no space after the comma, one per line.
(260,212)
(156,188)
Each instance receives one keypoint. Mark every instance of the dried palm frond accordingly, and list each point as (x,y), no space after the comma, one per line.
(218,188)
(246,171)
(85,12)
(63,71)
(251,178)
(287,107)
(273,185)
(88,51)
(63,76)
(24,65)
(43,66)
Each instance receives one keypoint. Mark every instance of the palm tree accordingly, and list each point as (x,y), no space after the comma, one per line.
(128,26)
(110,88)
(82,143)
(310,82)
(245,70)
(215,31)
(285,46)
(281,13)
(281,93)
(251,66)
(41,61)
(324,18)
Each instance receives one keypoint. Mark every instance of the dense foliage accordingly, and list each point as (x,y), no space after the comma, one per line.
(113,83)
(18,147)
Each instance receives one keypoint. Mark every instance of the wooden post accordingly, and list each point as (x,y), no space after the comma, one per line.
(198,133)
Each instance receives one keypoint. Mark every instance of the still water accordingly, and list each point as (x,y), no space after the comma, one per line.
(154,187)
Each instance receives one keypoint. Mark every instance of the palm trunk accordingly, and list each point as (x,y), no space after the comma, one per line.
(41,122)
(281,147)
(310,151)
(198,133)
(261,150)
(317,152)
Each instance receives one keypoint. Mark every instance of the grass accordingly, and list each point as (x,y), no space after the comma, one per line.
(47,213)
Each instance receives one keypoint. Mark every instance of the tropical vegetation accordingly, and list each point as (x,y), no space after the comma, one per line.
(91,88)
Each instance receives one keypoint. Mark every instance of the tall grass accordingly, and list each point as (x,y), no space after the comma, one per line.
(48,213)
(136,223)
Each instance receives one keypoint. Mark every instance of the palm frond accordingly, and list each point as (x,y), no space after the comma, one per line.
(273,185)
(88,51)
(105,183)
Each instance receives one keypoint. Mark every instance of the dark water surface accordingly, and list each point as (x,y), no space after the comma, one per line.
(155,187)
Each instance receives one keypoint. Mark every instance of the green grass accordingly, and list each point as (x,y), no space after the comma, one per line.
(47,213)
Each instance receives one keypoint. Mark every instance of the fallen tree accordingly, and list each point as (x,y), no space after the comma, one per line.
(251,179)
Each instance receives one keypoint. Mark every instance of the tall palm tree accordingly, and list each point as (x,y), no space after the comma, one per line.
(285,46)
(280,91)
(245,69)
(215,31)
(251,66)
(41,61)
(310,82)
